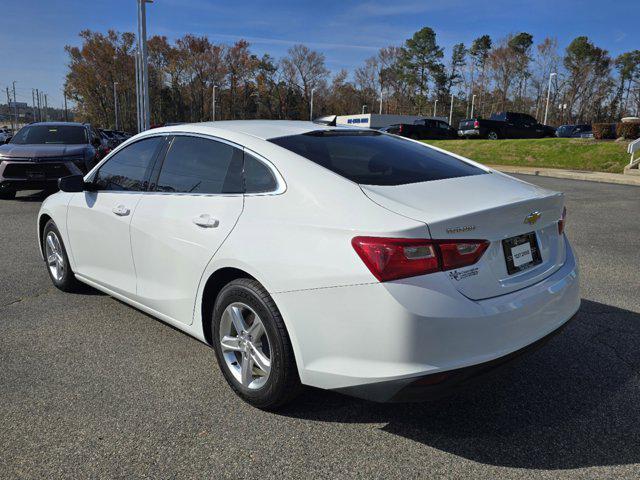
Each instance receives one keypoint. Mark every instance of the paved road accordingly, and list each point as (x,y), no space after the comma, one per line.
(90,387)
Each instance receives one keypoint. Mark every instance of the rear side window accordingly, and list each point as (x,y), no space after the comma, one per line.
(128,169)
(258,178)
(200,165)
(373,158)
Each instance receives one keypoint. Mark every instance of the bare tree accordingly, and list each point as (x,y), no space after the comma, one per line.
(305,69)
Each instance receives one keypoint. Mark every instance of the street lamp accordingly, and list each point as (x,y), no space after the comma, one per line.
(364,107)
(144,110)
(435,107)
(213,103)
(115,104)
(473,102)
(451,110)
(311,105)
(15,103)
(546,108)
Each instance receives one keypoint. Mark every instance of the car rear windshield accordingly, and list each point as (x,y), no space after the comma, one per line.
(373,158)
(50,134)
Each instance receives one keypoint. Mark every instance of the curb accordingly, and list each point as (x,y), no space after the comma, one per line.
(585,175)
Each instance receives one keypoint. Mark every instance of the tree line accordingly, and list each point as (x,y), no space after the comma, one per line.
(586,83)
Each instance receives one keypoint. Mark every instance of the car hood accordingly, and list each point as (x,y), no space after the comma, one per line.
(41,151)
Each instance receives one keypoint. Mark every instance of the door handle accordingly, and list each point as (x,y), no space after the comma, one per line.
(206,221)
(121,211)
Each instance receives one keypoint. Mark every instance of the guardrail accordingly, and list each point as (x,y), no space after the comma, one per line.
(632,149)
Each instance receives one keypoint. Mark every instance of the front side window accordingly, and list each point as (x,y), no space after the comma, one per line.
(128,169)
(51,134)
(373,158)
(200,165)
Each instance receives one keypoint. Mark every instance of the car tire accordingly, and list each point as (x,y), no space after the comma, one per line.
(57,260)
(7,195)
(239,306)
(493,135)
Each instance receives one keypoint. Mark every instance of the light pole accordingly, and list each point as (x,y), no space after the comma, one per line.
(33,103)
(311,106)
(144,111)
(473,102)
(364,107)
(15,103)
(435,107)
(138,91)
(13,125)
(546,108)
(380,99)
(213,103)
(451,110)
(115,104)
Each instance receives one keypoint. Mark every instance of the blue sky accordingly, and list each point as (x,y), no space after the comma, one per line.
(33,33)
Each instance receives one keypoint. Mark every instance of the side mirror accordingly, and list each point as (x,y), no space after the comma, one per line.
(72,183)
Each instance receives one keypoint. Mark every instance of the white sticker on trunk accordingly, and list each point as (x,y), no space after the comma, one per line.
(521,254)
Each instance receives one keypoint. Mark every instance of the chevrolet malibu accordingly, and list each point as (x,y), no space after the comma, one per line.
(306,254)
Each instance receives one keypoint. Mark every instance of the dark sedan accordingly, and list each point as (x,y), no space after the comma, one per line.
(574,131)
(41,153)
(423,129)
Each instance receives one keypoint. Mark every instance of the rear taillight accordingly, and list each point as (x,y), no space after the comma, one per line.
(395,258)
(400,129)
(476,124)
(461,253)
(562,221)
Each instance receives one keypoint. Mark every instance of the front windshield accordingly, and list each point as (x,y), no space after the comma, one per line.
(50,134)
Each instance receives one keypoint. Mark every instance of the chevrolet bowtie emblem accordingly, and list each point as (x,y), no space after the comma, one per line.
(532,218)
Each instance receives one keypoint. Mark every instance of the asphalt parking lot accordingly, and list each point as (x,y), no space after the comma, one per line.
(90,387)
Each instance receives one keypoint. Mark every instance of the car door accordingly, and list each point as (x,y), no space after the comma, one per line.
(98,221)
(513,126)
(180,224)
(443,130)
(532,129)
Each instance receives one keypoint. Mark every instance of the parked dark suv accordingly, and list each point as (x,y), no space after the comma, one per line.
(504,125)
(40,153)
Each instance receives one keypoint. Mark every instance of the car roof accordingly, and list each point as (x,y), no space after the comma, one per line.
(53,124)
(263,129)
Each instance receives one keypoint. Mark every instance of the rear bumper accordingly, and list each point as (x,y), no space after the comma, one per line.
(469,133)
(438,385)
(34,175)
(374,341)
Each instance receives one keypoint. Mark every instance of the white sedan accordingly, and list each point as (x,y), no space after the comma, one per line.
(307,254)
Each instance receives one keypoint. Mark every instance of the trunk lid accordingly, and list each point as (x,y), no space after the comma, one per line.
(490,207)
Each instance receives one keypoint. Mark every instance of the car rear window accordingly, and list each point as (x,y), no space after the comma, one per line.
(373,158)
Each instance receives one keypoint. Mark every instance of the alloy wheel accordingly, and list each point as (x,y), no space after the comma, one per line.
(245,345)
(55,258)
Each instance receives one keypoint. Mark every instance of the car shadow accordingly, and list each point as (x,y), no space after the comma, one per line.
(573,403)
